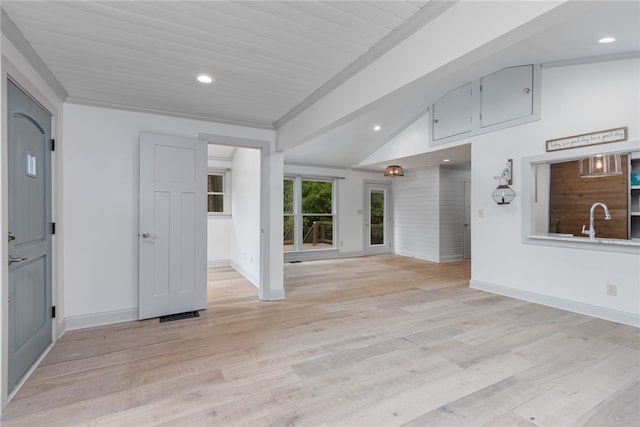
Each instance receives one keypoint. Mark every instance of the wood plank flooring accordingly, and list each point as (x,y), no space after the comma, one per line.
(375,341)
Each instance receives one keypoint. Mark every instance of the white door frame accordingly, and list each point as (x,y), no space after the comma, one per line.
(264,282)
(466,215)
(388,225)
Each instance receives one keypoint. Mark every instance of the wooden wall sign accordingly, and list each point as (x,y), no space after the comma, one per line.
(594,138)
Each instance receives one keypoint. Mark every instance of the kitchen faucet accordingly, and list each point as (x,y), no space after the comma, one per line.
(592,231)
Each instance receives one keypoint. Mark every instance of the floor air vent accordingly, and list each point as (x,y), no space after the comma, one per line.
(179,316)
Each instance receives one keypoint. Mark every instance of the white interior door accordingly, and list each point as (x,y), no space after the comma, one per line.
(466,232)
(173,225)
(377,219)
(29,220)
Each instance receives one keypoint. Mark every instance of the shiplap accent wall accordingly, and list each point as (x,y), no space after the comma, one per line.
(452,211)
(428,213)
(416,214)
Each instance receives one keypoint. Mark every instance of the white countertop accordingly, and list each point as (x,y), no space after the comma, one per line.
(579,239)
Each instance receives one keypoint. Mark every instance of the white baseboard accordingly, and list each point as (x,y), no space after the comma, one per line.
(255,281)
(276,295)
(100,319)
(219,263)
(60,329)
(319,255)
(451,258)
(623,317)
(417,256)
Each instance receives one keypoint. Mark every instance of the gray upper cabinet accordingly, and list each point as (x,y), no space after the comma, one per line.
(506,95)
(453,113)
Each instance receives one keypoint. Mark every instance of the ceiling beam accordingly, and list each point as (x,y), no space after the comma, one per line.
(463,34)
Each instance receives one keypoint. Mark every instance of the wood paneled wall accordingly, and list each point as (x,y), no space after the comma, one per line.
(571,198)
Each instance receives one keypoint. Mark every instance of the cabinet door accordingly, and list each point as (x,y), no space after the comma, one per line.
(506,95)
(452,113)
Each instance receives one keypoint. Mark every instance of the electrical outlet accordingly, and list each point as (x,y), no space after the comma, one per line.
(612,289)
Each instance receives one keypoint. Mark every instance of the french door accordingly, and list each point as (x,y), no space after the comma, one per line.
(377,220)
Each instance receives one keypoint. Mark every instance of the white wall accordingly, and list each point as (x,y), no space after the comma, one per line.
(219,241)
(245,208)
(100,153)
(575,99)
(350,219)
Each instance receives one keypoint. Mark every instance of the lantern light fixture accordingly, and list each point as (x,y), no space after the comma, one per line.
(503,194)
(600,165)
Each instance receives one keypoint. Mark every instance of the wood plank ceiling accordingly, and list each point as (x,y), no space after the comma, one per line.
(267,57)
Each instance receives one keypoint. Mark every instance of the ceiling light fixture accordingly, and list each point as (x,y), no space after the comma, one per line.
(376,128)
(446,160)
(600,165)
(205,78)
(605,40)
(393,171)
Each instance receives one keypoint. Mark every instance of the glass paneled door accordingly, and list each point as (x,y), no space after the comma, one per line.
(377,219)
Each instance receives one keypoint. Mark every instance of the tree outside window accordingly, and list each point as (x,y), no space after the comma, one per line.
(309,217)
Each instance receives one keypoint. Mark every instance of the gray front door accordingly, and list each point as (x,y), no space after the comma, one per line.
(29,218)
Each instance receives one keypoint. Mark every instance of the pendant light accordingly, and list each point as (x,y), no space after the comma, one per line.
(600,165)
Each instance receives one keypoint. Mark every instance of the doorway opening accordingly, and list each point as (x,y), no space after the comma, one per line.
(233,211)
(251,170)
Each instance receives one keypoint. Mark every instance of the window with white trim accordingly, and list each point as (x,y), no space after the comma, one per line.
(218,200)
(309,217)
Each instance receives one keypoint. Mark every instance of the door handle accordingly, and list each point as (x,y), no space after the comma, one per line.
(16,259)
(149,236)
(11,236)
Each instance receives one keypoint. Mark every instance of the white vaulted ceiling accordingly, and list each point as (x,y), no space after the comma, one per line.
(267,57)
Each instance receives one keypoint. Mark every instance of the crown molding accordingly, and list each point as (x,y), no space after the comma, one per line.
(147,110)
(15,36)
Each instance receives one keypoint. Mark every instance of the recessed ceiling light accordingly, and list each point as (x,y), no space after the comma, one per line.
(204,78)
(377,128)
(446,160)
(607,40)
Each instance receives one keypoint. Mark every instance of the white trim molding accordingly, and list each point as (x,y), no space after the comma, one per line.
(219,263)
(560,303)
(101,319)
(277,294)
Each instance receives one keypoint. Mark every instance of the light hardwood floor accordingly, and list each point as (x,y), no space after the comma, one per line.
(376,341)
